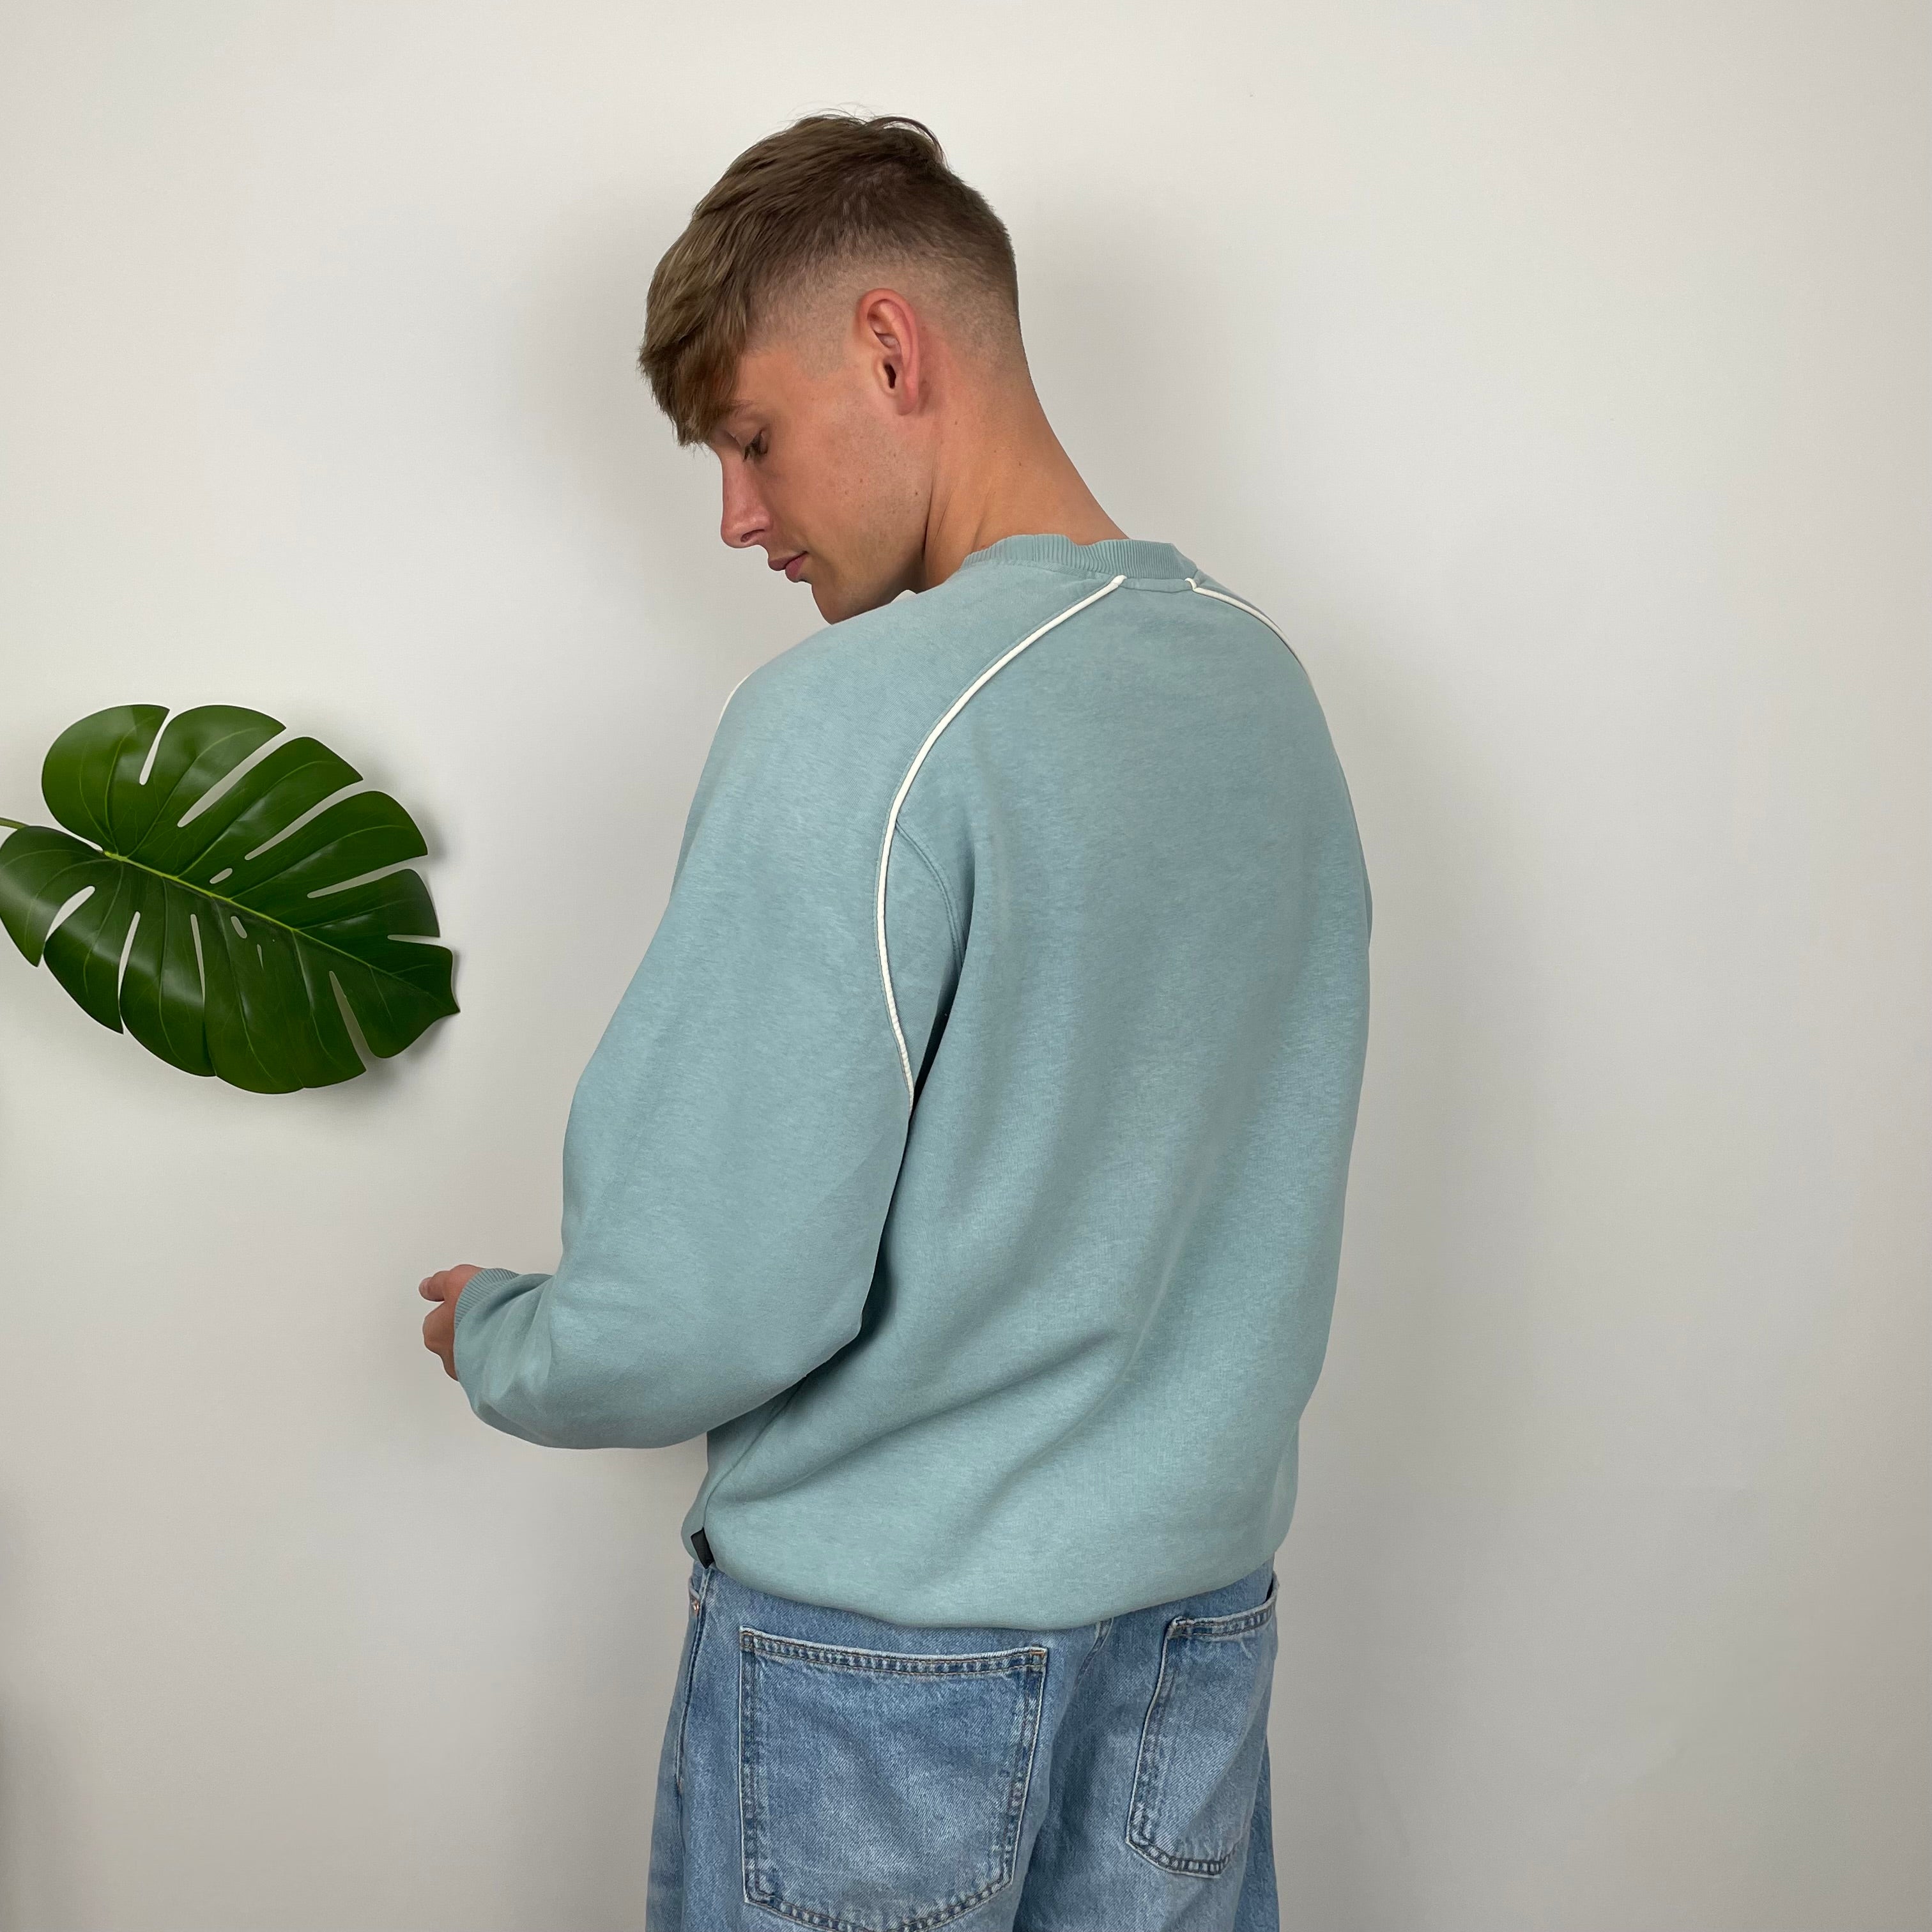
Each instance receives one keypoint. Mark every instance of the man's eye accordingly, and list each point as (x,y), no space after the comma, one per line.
(757,445)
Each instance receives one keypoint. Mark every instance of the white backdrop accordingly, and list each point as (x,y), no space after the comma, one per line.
(1556,375)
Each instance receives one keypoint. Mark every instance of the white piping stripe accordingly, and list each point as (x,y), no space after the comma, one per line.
(1201,590)
(905,785)
(728,696)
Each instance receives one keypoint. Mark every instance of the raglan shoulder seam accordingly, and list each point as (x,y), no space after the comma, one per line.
(912,772)
(1205,586)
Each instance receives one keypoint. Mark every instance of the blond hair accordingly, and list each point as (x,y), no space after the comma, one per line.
(830,191)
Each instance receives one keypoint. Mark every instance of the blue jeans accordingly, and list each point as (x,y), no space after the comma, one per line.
(827,1770)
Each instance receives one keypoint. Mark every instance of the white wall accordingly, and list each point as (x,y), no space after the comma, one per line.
(1556,375)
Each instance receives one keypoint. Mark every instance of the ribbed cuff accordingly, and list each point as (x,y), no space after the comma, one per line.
(483,1282)
(489,1277)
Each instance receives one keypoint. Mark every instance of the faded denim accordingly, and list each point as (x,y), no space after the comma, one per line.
(828,1770)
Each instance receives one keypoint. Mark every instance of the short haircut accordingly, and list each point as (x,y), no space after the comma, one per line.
(830,191)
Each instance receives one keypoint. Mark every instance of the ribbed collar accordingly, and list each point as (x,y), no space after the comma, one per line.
(1112,556)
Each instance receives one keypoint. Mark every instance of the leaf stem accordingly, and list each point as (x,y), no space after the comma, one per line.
(14,822)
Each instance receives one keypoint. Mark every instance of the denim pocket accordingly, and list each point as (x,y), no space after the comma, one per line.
(1201,1745)
(881,1791)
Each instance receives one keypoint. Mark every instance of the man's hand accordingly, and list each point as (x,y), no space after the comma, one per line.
(440,1324)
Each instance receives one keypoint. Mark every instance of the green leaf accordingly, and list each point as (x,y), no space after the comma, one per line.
(241,935)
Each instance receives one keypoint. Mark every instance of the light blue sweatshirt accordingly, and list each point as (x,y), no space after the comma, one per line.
(966,1157)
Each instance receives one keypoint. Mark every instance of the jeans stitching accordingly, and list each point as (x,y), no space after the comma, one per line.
(1233,1623)
(1149,1763)
(1031,1656)
(698,1597)
(750,1808)
(1103,1631)
(1149,1766)
(1027,1661)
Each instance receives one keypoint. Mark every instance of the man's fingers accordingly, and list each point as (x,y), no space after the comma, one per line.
(439,1338)
(440,1324)
(442,1286)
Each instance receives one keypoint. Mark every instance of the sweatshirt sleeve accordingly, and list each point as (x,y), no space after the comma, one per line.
(733,1142)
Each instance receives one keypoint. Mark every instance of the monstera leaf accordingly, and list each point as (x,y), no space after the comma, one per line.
(241,935)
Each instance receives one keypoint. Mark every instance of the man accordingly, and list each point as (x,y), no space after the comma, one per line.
(967,1158)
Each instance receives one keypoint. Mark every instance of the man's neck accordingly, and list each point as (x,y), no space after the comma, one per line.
(1003,475)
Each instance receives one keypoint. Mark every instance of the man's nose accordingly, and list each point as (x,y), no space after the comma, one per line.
(744,521)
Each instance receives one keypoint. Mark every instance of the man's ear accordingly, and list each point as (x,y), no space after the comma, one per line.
(888,332)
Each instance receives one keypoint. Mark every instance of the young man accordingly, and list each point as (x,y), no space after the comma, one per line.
(967,1158)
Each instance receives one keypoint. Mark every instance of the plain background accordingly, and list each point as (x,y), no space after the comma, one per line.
(1555,374)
